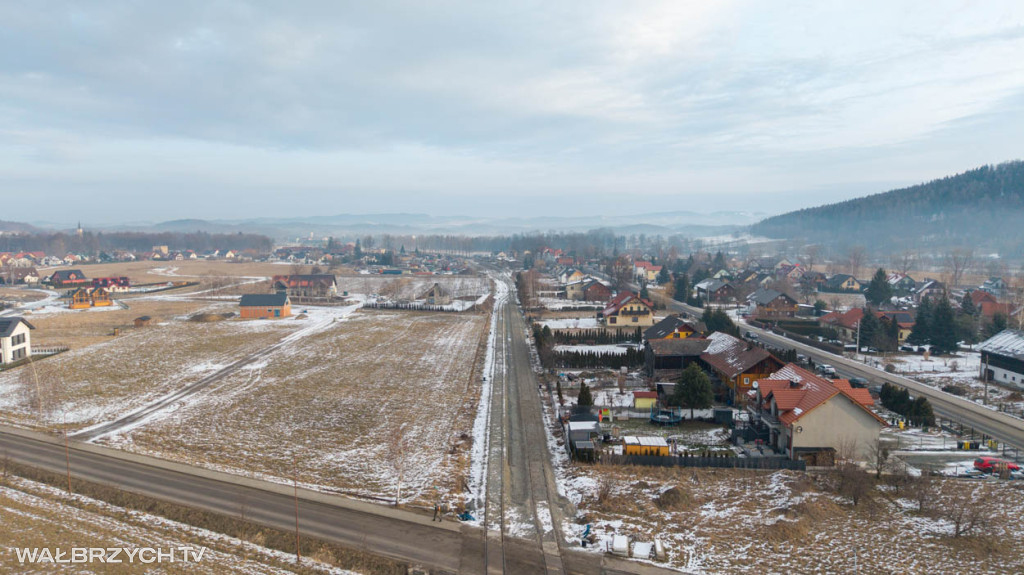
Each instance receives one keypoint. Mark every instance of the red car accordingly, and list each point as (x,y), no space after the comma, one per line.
(987,464)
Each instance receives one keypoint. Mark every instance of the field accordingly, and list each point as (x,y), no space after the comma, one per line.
(103,381)
(37,515)
(378,396)
(411,287)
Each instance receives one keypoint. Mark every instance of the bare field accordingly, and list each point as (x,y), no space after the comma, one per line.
(81,328)
(109,379)
(38,516)
(737,521)
(155,271)
(378,396)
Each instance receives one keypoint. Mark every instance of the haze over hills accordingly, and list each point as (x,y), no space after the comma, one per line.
(981,209)
(691,224)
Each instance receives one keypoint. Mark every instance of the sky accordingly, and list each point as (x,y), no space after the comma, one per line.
(150,111)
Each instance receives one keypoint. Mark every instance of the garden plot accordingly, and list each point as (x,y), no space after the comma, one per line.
(107,380)
(410,288)
(732,521)
(38,516)
(379,396)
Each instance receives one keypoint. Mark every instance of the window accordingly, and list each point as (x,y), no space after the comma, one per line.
(611,320)
(636,319)
(18,339)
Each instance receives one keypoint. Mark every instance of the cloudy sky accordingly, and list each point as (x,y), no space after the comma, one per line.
(132,111)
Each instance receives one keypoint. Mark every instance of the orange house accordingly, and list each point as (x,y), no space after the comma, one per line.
(83,298)
(255,306)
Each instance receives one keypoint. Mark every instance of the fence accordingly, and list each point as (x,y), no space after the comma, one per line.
(719,462)
(414,307)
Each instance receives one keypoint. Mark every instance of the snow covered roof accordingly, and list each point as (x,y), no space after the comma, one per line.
(645,441)
(1008,343)
(732,356)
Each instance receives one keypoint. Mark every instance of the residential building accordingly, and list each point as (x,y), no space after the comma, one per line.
(737,363)
(83,298)
(15,339)
(712,290)
(1002,358)
(265,306)
(930,289)
(113,284)
(771,304)
(68,278)
(842,283)
(628,310)
(645,445)
(675,327)
(306,285)
(901,284)
(845,323)
(811,418)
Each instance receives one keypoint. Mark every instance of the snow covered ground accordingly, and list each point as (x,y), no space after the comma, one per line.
(38,515)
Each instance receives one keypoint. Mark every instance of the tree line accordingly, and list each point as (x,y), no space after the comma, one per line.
(94,243)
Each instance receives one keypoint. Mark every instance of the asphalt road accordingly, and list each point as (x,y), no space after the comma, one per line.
(1000,426)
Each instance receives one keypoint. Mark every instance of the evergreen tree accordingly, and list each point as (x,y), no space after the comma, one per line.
(944,333)
(879,289)
(644,294)
(694,389)
(870,327)
(995,326)
(922,332)
(967,305)
(819,306)
(402,249)
(585,399)
(682,288)
(663,276)
(719,263)
(359,249)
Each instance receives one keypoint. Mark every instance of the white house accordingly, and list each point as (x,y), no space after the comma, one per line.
(15,340)
(1002,358)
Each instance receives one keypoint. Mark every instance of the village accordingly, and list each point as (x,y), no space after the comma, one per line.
(654,368)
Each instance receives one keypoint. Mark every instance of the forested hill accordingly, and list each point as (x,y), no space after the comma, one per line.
(981,209)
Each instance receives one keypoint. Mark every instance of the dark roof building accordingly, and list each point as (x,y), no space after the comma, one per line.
(674,326)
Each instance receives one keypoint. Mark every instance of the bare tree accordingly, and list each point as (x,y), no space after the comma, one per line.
(903,262)
(812,254)
(856,256)
(968,512)
(958,261)
(924,489)
(878,455)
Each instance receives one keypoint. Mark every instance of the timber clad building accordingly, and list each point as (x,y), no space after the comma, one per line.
(255,306)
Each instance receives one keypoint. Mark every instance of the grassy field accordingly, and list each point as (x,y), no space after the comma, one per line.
(37,515)
(351,409)
(100,382)
(734,521)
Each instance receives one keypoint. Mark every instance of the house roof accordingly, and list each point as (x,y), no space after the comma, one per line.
(806,391)
(711,285)
(670,325)
(838,280)
(620,300)
(440,290)
(684,347)
(264,300)
(767,296)
(63,275)
(645,395)
(859,394)
(1007,343)
(645,440)
(731,356)
(8,324)
(302,280)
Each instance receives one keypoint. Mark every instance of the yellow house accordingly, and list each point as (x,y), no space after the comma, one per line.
(83,298)
(627,310)
(645,445)
(674,327)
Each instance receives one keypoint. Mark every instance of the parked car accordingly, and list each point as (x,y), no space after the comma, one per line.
(858,382)
(827,370)
(751,335)
(988,464)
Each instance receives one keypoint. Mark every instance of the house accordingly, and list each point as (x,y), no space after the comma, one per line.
(995,286)
(929,289)
(813,280)
(842,283)
(901,284)
(596,290)
(83,298)
(645,399)
(142,321)
(770,304)
(265,306)
(845,323)
(569,275)
(15,339)
(11,275)
(811,418)
(306,285)
(67,278)
(737,363)
(712,290)
(627,310)
(437,295)
(644,445)
(665,359)
(675,327)
(1002,358)
(903,318)
(113,284)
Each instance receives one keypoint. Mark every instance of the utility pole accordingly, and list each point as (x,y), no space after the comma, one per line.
(858,337)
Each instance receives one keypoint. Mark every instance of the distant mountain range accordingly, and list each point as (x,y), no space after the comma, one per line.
(981,209)
(691,224)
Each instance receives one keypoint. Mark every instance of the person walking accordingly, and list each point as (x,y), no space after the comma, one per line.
(437,512)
